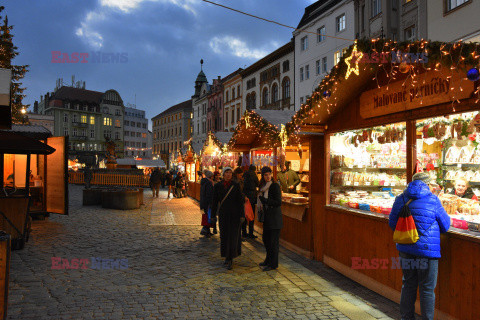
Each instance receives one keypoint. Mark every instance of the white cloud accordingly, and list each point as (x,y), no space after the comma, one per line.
(87,29)
(129,5)
(237,47)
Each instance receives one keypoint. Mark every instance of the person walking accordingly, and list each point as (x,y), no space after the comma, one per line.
(269,203)
(206,198)
(178,185)
(155,182)
(169,183)
(250,185)
(162,178)
(419,261)
(228,207)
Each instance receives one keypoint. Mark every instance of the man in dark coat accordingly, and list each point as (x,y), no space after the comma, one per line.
(155,182)
(229,200)
(206,198)
(250,185)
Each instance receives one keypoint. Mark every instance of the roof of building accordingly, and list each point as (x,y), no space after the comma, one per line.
(315,10)
(223,137)
(276,117)
(78,94)
(201,77)
(19,144)
(32,131)
(280,52)
(185,105)
(231,75)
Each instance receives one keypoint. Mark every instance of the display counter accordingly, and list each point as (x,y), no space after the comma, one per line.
(194,190)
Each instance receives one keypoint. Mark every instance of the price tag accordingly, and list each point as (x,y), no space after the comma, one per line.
(348,183)
(356,184)
(368,183)
(459,165)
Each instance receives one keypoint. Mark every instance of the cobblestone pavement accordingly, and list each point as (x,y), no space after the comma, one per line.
(170,272)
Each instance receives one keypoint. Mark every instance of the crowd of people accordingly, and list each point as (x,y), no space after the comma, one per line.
(226,200)
(175,181)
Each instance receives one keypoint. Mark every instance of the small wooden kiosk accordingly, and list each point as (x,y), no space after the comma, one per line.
(262,139)
(191,157)
(360,96)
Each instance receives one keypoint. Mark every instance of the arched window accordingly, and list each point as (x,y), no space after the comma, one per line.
(265,96)
(253,99)
(286,88)
(274,93)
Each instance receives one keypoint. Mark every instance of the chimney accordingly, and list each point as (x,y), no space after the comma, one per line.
(41,98)
(219,78)
(35,107)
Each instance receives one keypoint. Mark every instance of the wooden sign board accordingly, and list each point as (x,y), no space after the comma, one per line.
(432,88)
(57,176)
(5,105)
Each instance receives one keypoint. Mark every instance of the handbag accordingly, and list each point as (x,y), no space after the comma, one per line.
(220,205)
(210,216)
(249,215)
(405,230)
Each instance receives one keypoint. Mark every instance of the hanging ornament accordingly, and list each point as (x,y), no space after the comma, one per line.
(326,94)
(403,67)
(473,74)
(352,61)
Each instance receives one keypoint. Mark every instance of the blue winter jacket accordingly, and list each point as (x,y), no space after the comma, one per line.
(430,219)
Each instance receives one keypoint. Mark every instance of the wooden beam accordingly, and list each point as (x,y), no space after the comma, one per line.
(411,149)
(312,128)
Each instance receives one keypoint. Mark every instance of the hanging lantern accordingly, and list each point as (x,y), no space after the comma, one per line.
(473,74)
(403,67)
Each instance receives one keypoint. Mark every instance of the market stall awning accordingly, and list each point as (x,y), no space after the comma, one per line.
(18,144)
(259,129)
(150,163)
(31,131)
(126,162)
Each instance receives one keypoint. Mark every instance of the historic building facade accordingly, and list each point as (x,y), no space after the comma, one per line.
(171,129)
(232,100)
(268,83)
(215,106)
(200,105)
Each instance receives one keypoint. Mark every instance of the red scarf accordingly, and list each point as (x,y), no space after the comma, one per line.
(227,183)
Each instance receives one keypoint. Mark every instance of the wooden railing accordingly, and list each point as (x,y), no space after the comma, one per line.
(108,179)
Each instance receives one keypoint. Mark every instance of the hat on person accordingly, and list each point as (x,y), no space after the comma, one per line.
(208,173)
(422,176)
(226,169)
(265,170)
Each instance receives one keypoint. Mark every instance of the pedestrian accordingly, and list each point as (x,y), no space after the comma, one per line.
(206,199)
(238,177)
(155,182)
(169,183)
(162,178)
(250,185)
(430,220)
(228,207)
(269,204)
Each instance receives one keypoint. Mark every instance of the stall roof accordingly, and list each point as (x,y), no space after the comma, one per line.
(150,163)
(18,144)
(223,137)
(31,131)
(126,162)
(276,117)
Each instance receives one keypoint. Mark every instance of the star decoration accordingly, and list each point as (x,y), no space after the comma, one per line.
(355,56)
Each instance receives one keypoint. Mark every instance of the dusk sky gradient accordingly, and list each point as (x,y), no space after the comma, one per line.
(164,41)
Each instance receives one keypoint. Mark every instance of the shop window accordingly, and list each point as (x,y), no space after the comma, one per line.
(368,167)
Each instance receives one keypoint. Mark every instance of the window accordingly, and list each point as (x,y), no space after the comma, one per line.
(74,132)
(318,68)
(265,96)
(226,96)
(324,65)
(452,4)
(92,134)
(363,18)
(233,116)
(301,100)
(65,131)
(376,7)
(83,118)
(286,88)
(410,33)
(107,121)
(74,118)
(304,43)
(65,117)
(301,74)
(238,113)
(144,145)
(226,118)
(117,136)
(139,125)
(117,123)
(238,91)
(144,126)
(233,93)
(138,134)
(105,110)
(117,112)
(307,72)
(337,56)
(144,135)
(92,120)
(341,22)
(274,93)
(321,34)
(286,66)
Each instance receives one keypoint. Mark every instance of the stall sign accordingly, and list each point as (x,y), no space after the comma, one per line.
(5,105)
(432,88)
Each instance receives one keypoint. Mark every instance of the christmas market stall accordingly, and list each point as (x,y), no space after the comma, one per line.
(386,111)
(191,156)
(261,136)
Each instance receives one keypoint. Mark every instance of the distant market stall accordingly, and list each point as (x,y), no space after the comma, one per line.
(380,116)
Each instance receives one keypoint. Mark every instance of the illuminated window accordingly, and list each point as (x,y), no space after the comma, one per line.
(117,123)
(107,121)
(92,120)
(83,118)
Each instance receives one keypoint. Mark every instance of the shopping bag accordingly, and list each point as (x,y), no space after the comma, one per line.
(210,215)
(249,211)
(405,230)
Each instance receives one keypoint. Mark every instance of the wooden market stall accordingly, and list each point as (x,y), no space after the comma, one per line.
(191,157)
(261,138)
(372,126)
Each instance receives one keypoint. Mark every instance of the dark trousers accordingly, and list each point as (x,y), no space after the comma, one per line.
(250,224)
(271,241)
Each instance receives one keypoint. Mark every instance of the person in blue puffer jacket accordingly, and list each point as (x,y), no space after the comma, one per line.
(419,261)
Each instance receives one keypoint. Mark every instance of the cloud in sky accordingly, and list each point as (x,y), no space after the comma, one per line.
(129,5)
(238,48)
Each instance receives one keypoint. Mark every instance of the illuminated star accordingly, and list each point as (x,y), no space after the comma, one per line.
(355,56)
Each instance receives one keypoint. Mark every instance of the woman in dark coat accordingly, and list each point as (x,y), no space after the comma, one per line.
(206,197)
(230,214)
(269,202)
